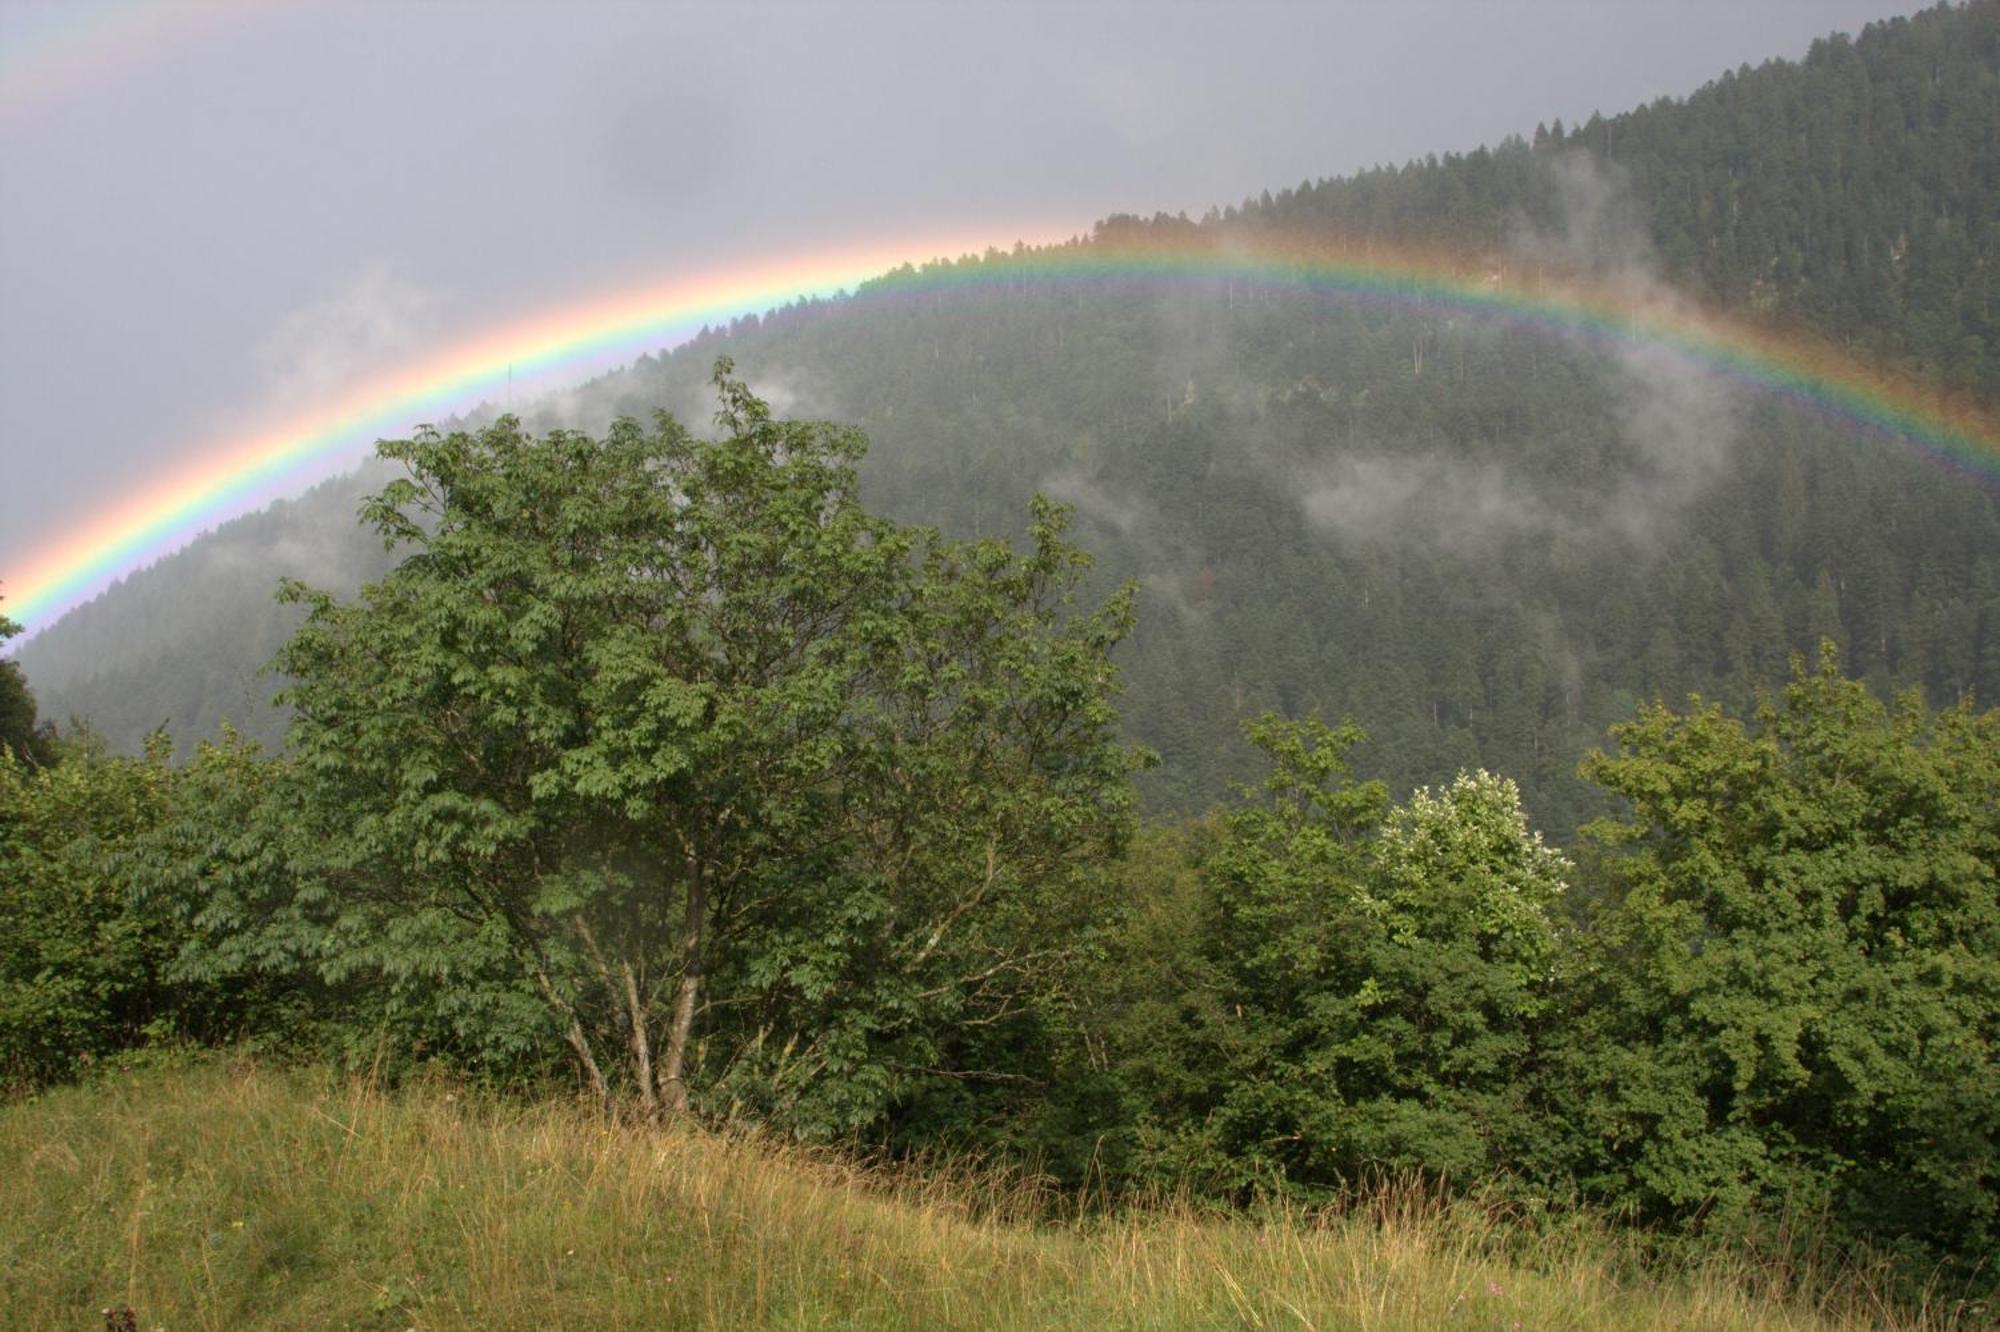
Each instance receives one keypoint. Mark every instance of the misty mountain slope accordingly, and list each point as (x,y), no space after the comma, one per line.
(1484,545)
(1485,561)
(183,642)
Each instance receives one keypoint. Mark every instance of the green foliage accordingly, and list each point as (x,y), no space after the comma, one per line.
(660,753)
(249,956)
(1793,986)
(142,903)
(1124,1068)
(1771,992)
(19,735)
(1467,969)
(1279,955)
(756,799)
(82,969)
(1373,980)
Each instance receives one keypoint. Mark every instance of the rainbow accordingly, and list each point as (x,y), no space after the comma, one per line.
(1954,428)
(232,477)
(43,49)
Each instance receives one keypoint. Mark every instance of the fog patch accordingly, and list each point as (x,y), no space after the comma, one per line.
(1679,422)
(588,408)
(1673,417)
(1164,564)
(1123,514)
(1600,229)
(790,395)
(320,350)
(1677,417)
(1382,497)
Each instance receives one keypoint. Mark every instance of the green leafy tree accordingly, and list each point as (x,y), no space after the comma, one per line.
(762,798)
(1793,988)
(124,913)
(82,972)
(1376,978)
(1463,974)
(247,954)
(18,733)
(1289,936)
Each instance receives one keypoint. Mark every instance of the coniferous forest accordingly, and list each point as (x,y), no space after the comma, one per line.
(1236,745)
(1485,547)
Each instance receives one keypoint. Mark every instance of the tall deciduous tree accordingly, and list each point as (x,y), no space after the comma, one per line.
(761,795)
(1796,982)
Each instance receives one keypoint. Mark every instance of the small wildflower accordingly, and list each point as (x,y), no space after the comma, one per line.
(1493,1288)
(236,1224)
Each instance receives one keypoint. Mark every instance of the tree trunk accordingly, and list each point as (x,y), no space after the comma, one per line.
(579,1043)
(623,992)
(673,1084)
(642,1047)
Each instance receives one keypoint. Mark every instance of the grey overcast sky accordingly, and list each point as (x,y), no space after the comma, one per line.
(209,210)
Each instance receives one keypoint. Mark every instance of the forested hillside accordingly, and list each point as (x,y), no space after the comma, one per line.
(183,644)
(1483,545)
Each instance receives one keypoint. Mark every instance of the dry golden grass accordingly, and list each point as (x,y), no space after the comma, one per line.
(230,1197)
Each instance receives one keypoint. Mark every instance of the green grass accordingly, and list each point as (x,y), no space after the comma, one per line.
(225,1195)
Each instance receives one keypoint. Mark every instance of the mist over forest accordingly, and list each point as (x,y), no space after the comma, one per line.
(1483,545)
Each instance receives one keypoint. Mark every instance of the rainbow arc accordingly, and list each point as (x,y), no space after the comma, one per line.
(232,476)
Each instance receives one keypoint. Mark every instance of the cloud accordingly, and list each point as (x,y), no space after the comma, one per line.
(666,137)
(323,348)
(1677,417)
(1425,497)
(312,537)
(791,394)
(1673,418)
(1090,500)
(1165,564)
(1134,104)
(1599,227)
(1677,421)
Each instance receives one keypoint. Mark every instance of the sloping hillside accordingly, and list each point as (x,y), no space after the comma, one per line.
(1484,545)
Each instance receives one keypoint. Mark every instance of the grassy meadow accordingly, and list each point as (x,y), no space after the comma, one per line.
(227,1195)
